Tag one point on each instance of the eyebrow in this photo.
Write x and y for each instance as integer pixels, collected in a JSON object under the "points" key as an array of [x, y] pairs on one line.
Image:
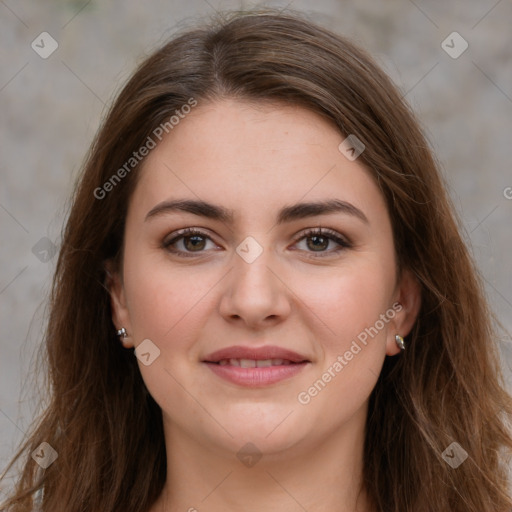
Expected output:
{"points": [[286, 214]]}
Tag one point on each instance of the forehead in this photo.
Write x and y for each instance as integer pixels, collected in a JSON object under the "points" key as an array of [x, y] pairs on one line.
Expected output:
{"points": [[254, 157]]}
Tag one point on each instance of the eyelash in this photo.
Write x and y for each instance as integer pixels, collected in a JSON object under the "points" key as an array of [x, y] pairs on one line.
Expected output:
{"points": [[323, 232]]}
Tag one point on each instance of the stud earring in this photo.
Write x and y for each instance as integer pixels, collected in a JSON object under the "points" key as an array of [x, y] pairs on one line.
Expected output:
{"points": [[122, 332], [400, 342]]}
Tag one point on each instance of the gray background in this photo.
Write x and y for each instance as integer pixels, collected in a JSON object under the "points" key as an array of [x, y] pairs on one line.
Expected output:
{"points": [[51, 108]]}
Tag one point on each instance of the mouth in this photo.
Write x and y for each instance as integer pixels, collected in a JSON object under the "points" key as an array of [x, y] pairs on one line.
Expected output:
{"points": [[255, 367], [255, 363]]}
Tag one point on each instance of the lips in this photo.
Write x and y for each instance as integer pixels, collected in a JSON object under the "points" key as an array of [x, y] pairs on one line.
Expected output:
{"points": [[240, 354], [255, 367]]}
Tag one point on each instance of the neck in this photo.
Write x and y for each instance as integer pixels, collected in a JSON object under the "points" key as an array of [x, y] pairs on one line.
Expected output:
{"points": [[325, 476]]}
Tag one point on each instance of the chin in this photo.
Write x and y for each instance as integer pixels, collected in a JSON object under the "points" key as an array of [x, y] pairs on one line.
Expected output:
{"points": [[271, 435]]}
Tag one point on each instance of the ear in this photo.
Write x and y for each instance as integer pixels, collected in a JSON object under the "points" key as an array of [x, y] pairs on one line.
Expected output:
{"points": [[408, 296], [120, 314]]}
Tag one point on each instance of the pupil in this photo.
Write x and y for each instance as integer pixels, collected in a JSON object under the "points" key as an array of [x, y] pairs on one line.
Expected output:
{"points": [[196, 241], [316, 237]]}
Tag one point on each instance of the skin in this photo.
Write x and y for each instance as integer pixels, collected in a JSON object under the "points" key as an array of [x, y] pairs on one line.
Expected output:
{"points": [[256, 160]]}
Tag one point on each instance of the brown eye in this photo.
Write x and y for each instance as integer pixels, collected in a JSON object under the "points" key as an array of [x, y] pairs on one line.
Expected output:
{"points": [[187, 241], [194, 242], [318, 240]]}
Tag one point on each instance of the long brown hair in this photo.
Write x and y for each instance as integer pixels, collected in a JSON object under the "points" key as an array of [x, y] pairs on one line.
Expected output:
{"points": [[445, 388]]}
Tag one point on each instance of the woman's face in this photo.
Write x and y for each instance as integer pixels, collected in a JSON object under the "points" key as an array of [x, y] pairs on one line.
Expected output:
{"points": [[253, 277]]}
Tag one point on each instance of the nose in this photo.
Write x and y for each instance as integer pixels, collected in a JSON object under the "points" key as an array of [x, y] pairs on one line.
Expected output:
{"points": [[255, 293]]}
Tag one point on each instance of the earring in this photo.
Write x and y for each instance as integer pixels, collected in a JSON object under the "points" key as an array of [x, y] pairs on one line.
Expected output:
{"points": [[400, 342], [122, 332]]}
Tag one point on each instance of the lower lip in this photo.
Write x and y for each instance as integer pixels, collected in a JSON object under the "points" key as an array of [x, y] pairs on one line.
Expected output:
{"points": [[256, 377]]}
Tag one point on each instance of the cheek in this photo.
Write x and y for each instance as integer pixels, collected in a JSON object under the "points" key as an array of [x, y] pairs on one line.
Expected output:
{"points": [[167, 305], [352, 339], [347, 301], [162, 298]]}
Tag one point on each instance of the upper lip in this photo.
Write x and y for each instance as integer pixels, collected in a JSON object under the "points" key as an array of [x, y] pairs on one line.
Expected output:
{"points": [[256, 353]]}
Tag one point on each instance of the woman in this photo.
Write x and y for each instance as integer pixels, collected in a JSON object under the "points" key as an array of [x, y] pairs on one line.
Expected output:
{"points": [[262, 299]]}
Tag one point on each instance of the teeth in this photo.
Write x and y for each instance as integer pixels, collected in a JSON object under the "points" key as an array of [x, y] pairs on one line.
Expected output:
{"points": [[252, 363]]}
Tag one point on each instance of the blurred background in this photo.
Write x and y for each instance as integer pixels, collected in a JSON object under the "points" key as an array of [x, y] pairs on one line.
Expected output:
{"points": [[63, 61]]}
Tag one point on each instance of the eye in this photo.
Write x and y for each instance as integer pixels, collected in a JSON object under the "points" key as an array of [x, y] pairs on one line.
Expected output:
{"points": [[192, 240], [318, 239]]}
